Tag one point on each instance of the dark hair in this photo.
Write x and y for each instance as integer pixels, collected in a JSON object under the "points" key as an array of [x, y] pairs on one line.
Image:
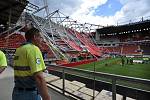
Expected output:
{"points": [[31, 33]]}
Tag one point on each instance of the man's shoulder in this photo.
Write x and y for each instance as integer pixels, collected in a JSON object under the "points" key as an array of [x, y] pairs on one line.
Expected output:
{"points": [[24, 48], [32, 47], [27, 46], [2, 53]]}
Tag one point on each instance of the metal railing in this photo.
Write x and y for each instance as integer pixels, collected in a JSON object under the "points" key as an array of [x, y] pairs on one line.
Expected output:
{"points": [[94, 75]]}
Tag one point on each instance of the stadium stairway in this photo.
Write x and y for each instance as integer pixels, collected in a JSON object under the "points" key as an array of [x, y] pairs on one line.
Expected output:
{"points": [[79, 89]]}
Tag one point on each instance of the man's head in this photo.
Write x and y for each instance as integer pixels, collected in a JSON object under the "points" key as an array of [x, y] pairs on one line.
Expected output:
{"points": [[30, 34], [33, 35]]}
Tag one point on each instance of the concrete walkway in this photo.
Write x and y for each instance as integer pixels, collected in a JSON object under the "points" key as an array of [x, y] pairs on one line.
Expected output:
{"points": [[7, 84]]}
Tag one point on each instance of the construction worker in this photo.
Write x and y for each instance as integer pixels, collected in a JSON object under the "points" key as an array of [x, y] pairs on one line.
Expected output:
{"points": [[3, 62], [28, 70], [122, 61]]}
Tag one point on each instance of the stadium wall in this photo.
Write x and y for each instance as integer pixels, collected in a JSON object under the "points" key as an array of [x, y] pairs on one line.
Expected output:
{"points": [[73, 64]]}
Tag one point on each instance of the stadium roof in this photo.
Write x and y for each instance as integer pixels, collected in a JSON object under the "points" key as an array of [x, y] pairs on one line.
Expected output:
{"points": [[128, 28], [13, 7]]}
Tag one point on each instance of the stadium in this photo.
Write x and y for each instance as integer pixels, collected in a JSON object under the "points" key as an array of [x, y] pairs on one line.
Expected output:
{"points": [[84, 61]]}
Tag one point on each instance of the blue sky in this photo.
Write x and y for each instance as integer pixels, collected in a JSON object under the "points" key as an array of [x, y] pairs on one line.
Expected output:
{"points": [[109, 8]]}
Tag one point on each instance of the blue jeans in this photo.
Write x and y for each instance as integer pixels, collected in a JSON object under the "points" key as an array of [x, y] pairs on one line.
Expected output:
{"points": [[25, 95]]}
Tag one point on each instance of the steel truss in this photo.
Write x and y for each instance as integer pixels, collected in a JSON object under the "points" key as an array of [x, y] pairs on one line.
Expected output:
{"points": [[55, 26]]}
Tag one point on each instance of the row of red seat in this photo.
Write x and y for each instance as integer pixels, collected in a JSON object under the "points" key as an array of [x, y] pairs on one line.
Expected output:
{"points": [[127, 49], [13, 41], [93, 49]]}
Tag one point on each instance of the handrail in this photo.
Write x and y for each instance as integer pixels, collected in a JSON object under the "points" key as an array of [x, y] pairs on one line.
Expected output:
{"points": [[67, 70], [101, 74]]}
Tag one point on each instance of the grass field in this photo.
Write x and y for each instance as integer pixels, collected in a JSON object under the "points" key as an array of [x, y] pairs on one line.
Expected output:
{"points": [[114, 66]]}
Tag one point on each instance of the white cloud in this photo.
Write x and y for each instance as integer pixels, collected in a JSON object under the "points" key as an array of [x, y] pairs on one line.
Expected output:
{"points": [[134, 9], [131, 10], [83, 10], [66, 6], [86, 10], [89, 5]]}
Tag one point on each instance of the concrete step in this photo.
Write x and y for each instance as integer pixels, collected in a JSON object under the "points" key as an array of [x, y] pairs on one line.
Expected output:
{"points": [[88, 91], [107, 95], [82, 95], [78, 83]]}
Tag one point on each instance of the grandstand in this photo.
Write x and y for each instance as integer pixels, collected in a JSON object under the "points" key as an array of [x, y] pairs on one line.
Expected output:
{"points": [[125, 39], [95, 55]]}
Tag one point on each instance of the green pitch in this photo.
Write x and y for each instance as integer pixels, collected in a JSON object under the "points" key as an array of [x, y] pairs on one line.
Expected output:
{"points": [[114, 66]]}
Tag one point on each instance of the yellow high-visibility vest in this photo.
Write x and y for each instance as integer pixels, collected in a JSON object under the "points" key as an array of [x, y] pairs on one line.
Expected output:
{"points": [[3, 61], [28, 60]]}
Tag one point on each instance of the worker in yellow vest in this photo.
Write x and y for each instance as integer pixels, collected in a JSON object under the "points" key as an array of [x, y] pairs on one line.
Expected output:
{"points": [[3, 62], [28, 70]]}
